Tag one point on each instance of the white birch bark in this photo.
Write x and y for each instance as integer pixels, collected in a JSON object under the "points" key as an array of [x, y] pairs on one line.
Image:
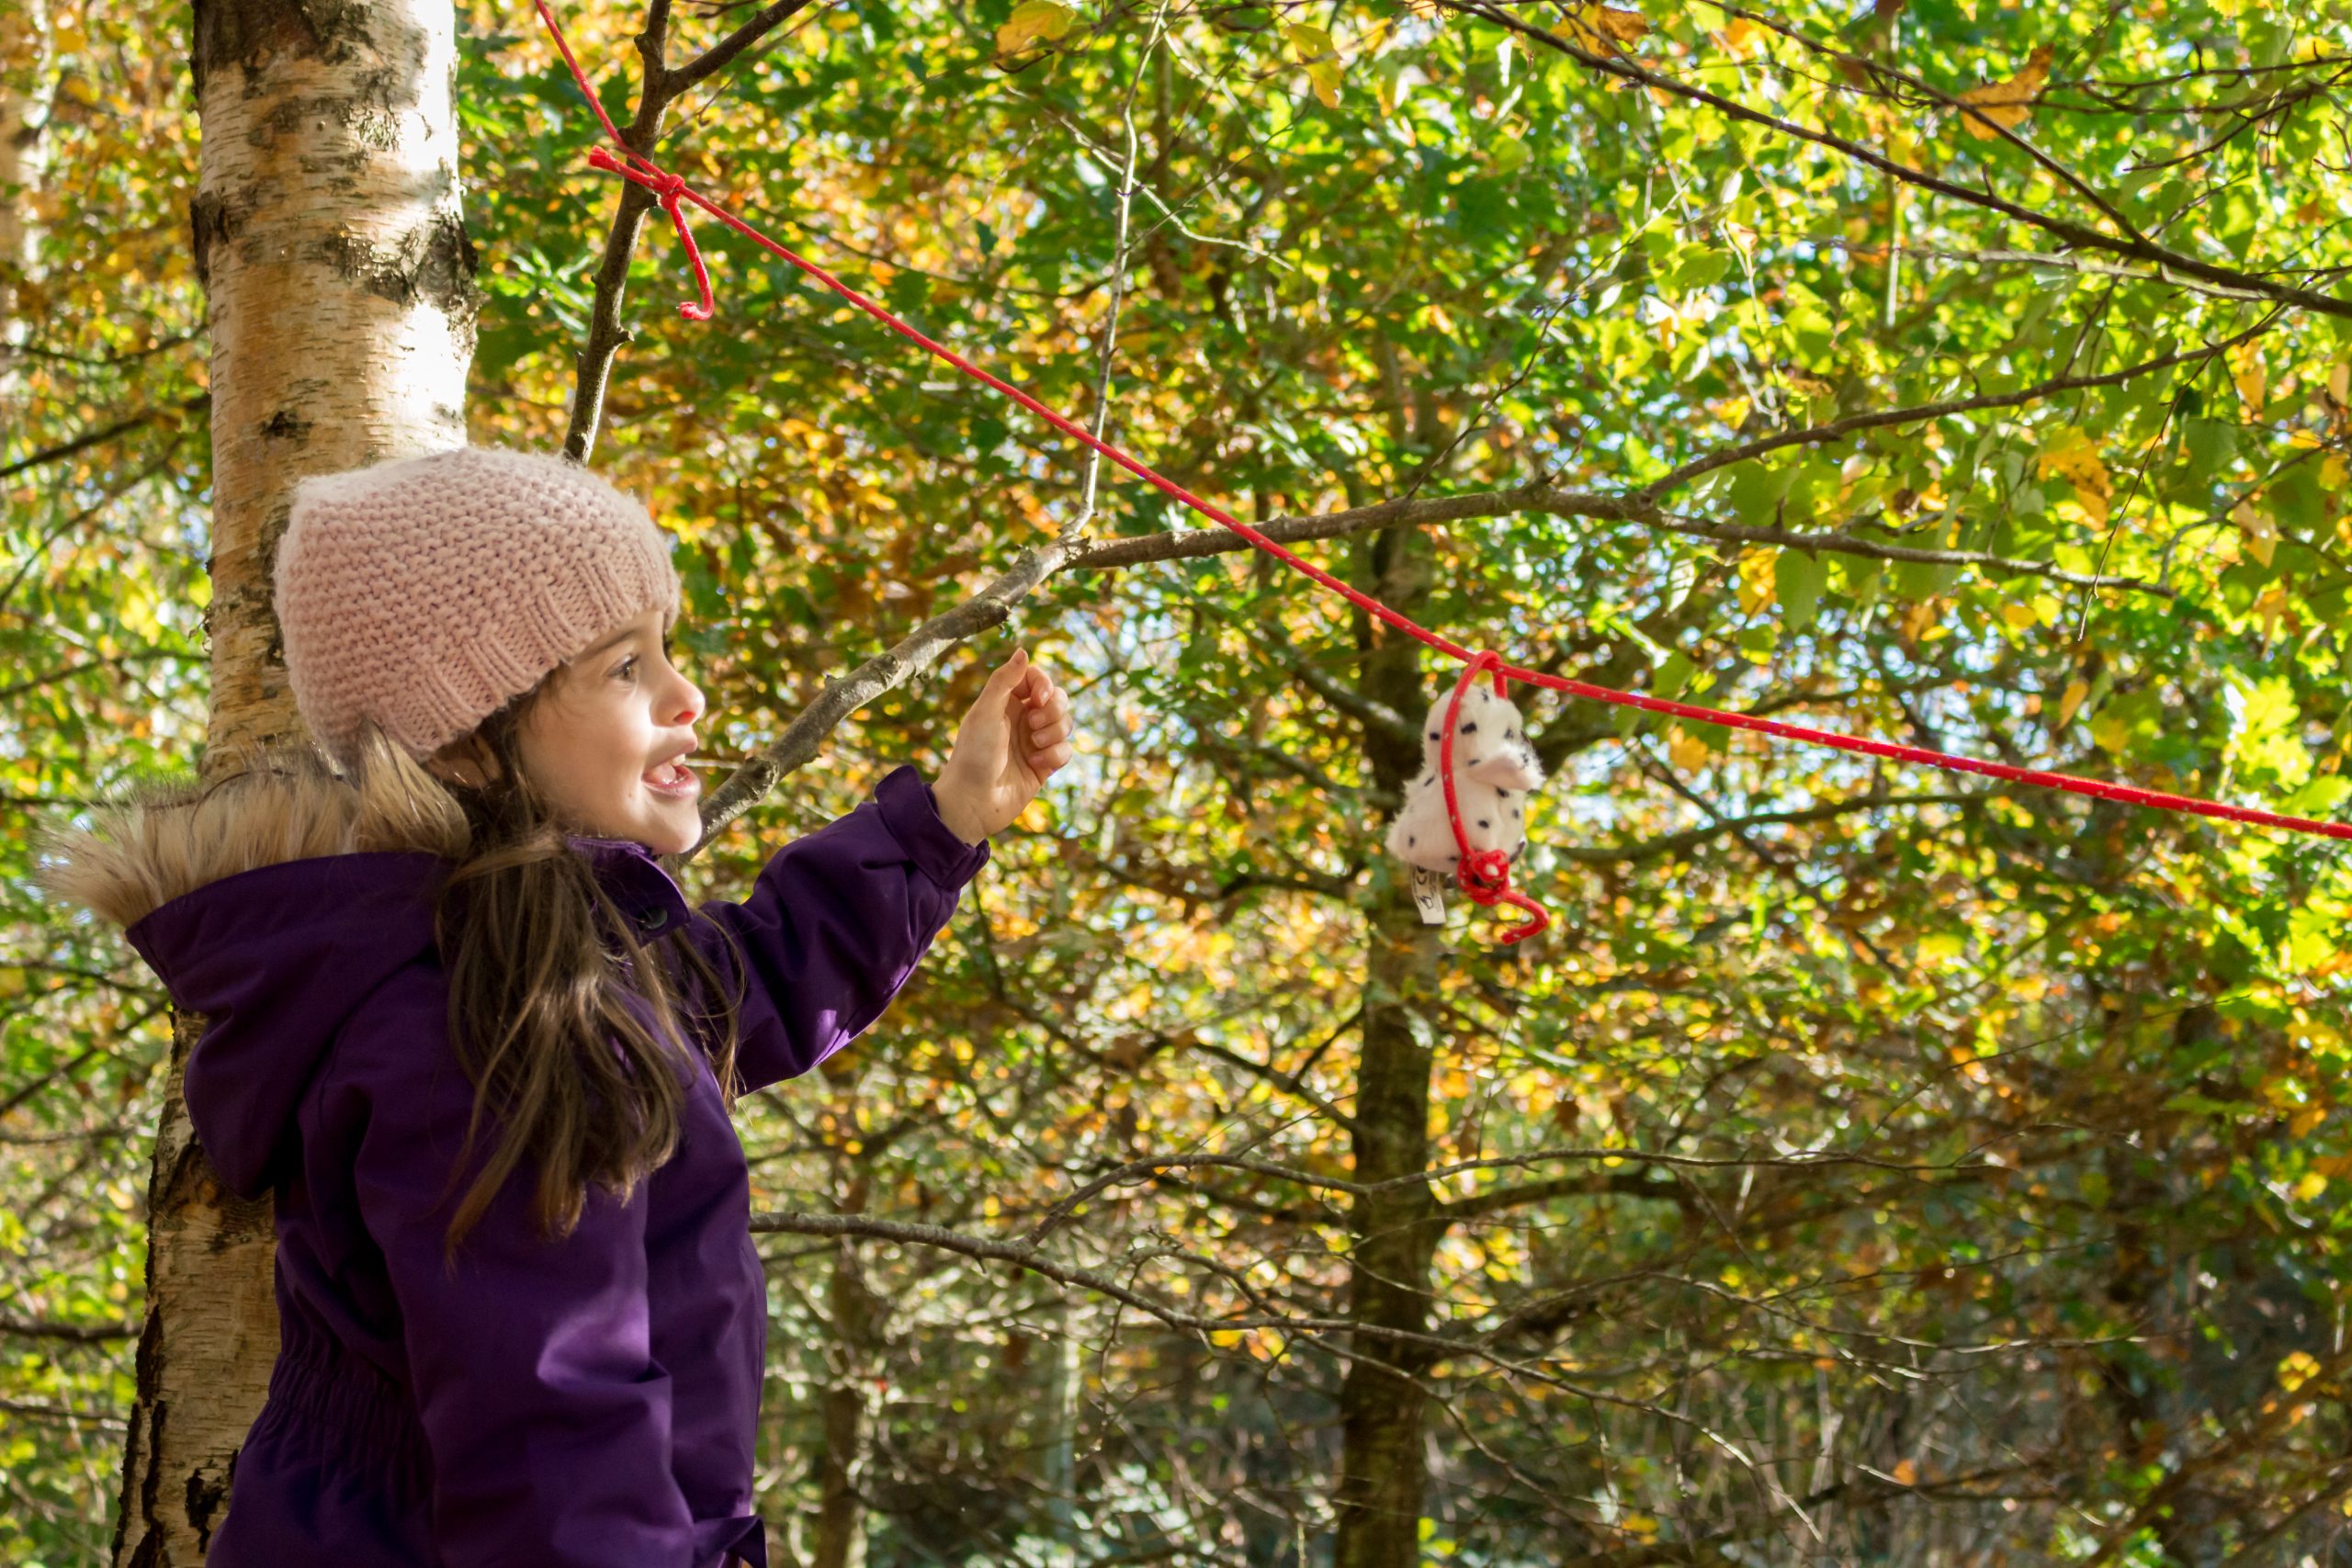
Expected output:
{"points": [[339, 297], [25, 87]]}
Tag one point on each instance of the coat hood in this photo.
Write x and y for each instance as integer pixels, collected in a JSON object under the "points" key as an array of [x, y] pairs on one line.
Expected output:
{"points": [[271, 903]]}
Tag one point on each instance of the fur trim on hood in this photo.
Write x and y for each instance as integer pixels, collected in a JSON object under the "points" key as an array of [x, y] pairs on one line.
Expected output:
{"points": [[162, 841]]}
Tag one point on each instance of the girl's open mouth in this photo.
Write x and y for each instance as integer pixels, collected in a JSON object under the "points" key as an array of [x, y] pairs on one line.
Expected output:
{"points": [[674, 779]]}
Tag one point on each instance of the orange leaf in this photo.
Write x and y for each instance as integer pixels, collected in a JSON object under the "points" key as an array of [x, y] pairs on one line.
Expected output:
{"points": [[2004, 103], [1608, 27]]}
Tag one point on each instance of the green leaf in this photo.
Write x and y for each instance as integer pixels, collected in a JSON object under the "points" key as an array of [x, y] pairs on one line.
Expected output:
{"points": [[2210, 443], [1697, 269], [1672, 676], [1798, 576], [1756, 492]]}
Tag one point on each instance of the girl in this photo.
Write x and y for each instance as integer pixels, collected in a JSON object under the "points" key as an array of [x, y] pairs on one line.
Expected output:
{"points": [[446, 988]]}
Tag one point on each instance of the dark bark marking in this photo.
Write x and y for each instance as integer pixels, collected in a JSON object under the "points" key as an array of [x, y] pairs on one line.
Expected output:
{"points": [[432, 263], [211, 221], [206, 1493]]}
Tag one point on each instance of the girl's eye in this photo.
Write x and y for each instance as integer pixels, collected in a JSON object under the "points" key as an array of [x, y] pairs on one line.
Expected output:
{"points": [[626, 669]]}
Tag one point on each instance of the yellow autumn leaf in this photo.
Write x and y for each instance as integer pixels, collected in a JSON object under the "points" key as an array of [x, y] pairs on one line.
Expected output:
{"points": [[2004, 103], [1606, 26], [1624, 27], [2261, 530], [1686, 752], [2070, 703], [1906, 1473], [2245, 370], [2074, 457], [2018, 616], [1321, 58], [2297, 1368], [1033, 21]]}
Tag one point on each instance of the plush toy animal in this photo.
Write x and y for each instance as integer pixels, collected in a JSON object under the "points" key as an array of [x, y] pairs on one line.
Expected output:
{"points": [[1495, 771]]}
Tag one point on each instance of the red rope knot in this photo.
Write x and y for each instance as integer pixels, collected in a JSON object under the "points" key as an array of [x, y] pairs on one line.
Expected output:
{"points": [[1485, 875], [669, 190]]}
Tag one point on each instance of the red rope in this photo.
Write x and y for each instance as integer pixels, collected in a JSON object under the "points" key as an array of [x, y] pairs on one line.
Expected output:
{"points": [[1484, 875], [671, 189]]}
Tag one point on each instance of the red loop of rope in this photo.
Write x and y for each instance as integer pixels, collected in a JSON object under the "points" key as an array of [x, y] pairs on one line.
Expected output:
{"points": [[648, 175], [1484, 875]]}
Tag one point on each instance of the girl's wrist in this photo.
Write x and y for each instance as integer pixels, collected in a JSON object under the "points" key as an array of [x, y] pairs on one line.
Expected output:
{"points": [[960, 819]]}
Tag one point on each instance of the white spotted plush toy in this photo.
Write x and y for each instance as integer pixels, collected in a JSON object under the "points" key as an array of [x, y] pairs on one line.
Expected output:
{"points": [[1495, 772]]}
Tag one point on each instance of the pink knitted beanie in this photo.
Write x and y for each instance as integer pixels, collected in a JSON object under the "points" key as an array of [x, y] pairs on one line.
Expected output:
{"points": [[426, 592]]}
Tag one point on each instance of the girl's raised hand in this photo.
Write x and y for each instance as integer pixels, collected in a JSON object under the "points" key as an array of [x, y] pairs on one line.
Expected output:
{"points": [[1015, 737]]}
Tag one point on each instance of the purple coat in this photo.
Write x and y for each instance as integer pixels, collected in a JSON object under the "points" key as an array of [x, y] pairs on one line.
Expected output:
{"points": [[584, 1404]]}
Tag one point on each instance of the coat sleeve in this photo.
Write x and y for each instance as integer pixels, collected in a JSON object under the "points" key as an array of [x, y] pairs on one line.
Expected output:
{"points": [[834, 925], [546, 1417]]}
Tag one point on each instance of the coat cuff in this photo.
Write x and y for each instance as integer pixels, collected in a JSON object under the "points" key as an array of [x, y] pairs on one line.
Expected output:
{"points": [[911, 813]]}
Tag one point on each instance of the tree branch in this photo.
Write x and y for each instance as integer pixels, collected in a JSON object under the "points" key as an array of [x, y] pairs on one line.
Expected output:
{"points": [[1675, 843], [2072, 233], [1838, 429], [79, 1333]]}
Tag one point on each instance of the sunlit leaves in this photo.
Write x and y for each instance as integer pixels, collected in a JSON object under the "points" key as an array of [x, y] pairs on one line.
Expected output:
{"points": [[1033, 21], [2004, 103]]}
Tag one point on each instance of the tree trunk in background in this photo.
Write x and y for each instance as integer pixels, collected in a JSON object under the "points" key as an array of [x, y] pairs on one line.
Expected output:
{"points": [[1394, 1230], [25, 84], [340, 299], [848, 1408]]}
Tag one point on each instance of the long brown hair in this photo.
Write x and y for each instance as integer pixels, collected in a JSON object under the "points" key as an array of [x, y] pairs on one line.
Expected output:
{"points": [[568, 1026]]}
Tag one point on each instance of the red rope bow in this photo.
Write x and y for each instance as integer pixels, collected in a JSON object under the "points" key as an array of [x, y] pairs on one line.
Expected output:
{"points": [[1476, 877], [1484, 875]]}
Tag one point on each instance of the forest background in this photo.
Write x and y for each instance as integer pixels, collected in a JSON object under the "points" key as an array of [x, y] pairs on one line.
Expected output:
{"points": [[1868, 1166]]}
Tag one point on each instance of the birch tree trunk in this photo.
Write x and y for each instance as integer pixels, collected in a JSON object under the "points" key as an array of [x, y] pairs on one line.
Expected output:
{"points": [[25, 86], [339, 294]]}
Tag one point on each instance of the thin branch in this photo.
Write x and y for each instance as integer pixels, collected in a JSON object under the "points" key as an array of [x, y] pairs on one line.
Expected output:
{"points": [[1883, 72], [1918, 414], [105, 433], [2064, 229], [1119, 247], [719, 56], [79, 1333], [1675, 843]]}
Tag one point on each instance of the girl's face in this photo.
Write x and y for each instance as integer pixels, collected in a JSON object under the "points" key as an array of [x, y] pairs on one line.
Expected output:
{"points": [[606, 742]]}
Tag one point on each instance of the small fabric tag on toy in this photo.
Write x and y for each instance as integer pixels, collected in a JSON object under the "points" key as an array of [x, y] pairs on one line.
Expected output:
{"points": [[1428, 895]]}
